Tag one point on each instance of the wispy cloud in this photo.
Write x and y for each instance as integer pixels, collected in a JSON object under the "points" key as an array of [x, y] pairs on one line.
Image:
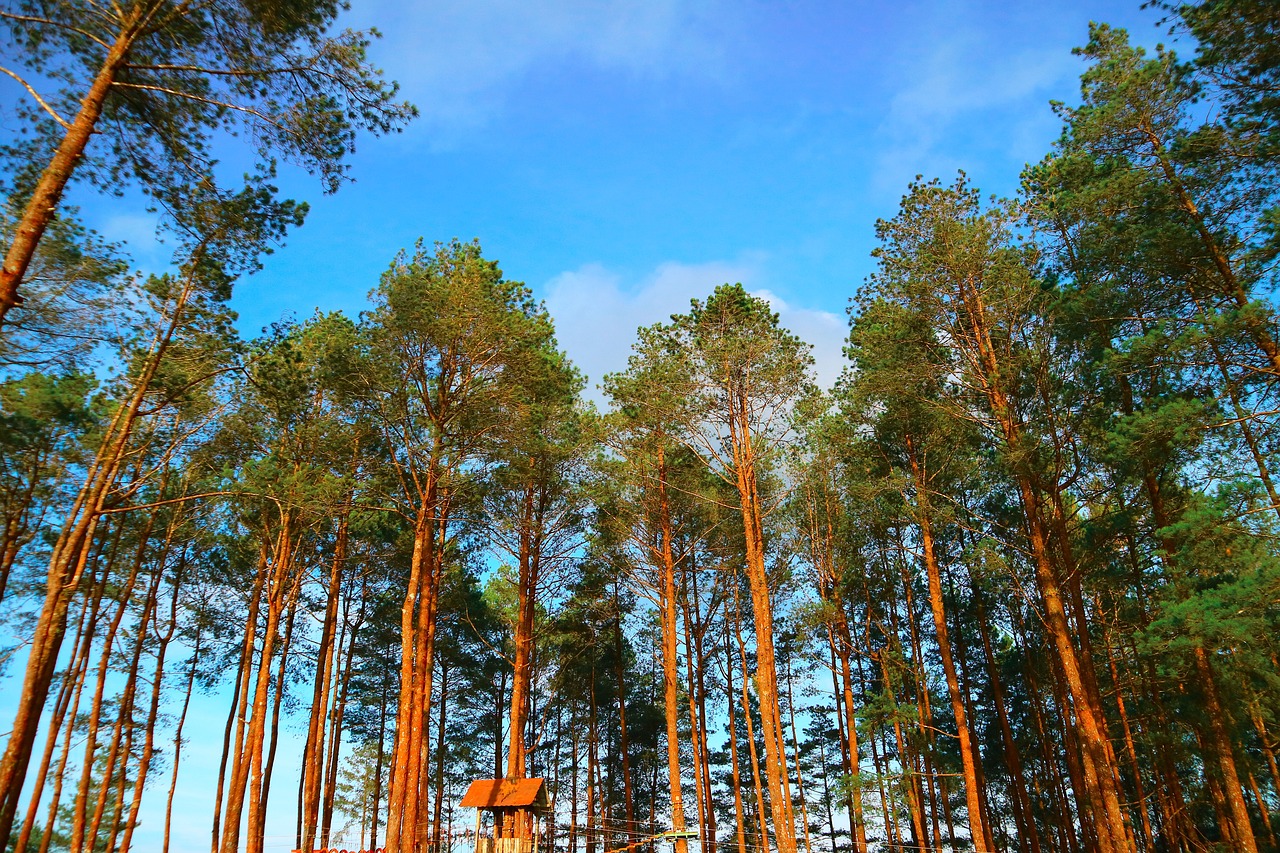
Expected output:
{"points": [[457, 59], [962, 93], [597, 312]]}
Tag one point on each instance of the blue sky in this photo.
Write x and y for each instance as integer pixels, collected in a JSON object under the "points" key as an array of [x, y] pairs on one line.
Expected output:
{"points": [[622, 157]]}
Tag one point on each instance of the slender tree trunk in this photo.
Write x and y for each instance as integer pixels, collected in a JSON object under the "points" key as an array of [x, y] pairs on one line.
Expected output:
{"points": [[1219, 721], [667, 602], [593, 775], [66, 706], [969, 758], [68, 561], [1265, 743], [116, 764], [314, 750], [709, 830], [88, 770], [795, 747], [522, 670], [763, 833], [744, 465], [906, 759], [845, 648], [44, 202], [262, 773], [177, 739], [731, 699], [823, 544], [624, 743], [342, 688], [695, 722], [440, 752], [240, 694], [377, 774], [1023, 816], [247, 764], [1131, 751], [153, 712], [1263, 810]]}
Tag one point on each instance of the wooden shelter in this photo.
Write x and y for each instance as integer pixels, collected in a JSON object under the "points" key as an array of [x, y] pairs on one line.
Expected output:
{"points": [[515, 805]]}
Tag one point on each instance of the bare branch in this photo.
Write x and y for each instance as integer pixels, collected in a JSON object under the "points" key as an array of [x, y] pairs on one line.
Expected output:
{"points": [[227, 72], [211, 101], [31, 19], [59, 119]]}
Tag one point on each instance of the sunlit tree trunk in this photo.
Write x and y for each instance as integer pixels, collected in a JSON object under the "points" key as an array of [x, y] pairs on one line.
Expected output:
{"points": [[968, 747], [47, 196], [313, 754], [731, 699], [69, 558], [667, 604]]}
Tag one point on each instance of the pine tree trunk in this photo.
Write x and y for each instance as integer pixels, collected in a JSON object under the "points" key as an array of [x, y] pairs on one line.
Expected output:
{"points": [[744, 465], [66, 705], [177, 739], [418, 625], [262, 774], [1131, 751], [840, 638], [1219, 720], [695, 722], [667, 603], [762, 830], [969, 758], [247, 763], [153, 712], [1023, 816], [795, 747], [88, 770], [522, 672], [440, 753], [240, 694], [313, 753], [68, 562], [44, 201], [343, 673], [624, 743], [731, 699]]}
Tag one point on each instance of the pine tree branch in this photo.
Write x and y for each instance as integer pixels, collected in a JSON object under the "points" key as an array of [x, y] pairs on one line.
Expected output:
{"points": [[32, 19], [192, 97], [41, 101]]}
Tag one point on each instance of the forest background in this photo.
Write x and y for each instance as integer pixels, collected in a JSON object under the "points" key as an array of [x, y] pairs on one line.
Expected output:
{"points": [[1057, 436]]}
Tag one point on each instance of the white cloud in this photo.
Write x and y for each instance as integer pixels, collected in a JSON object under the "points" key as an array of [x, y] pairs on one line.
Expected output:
{"points": [[597, 312], [963, 78], [825, 331], [136, 230], [454, 59]]}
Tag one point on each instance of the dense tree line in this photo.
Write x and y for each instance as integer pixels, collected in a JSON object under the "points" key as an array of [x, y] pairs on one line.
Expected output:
{"points": [[1011, 585]]}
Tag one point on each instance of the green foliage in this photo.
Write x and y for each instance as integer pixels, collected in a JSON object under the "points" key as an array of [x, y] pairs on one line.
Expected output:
{"points": [[274, 71], [72, 289]]}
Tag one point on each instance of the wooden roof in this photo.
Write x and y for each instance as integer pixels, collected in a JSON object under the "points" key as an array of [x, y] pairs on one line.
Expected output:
{"points": [[506, 794]]}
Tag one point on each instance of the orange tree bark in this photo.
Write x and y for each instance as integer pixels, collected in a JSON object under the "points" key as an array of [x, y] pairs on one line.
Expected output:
{"points": [[667, 604], [784, 830], [968, 747], [68, 562], [45, 199]]}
